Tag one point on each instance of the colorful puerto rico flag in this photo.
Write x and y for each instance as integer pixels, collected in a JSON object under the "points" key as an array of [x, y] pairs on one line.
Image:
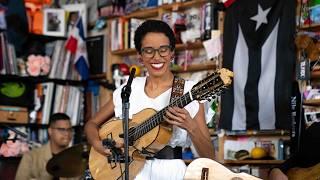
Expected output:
{"points": [[76, 45], [259, 49]]}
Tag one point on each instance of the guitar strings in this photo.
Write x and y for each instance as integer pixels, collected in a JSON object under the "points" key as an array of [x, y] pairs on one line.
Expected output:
{"points": [[140, 128], [148, 123]]}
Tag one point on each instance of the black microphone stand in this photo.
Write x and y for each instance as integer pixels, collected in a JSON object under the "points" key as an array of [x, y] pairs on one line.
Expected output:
{"points": [[125, 95]]}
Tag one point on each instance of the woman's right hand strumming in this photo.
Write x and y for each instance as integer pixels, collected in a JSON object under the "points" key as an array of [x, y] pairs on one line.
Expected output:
{"points": [[97, 145]]}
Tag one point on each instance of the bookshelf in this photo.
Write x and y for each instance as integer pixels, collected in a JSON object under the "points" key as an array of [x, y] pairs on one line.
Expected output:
{"points": [[194, 68], [45, 91], [315, 74], [42, 79], [115, 56], [312, 102], [262, 166], [310, 27], [152, 12], [179, 47]]}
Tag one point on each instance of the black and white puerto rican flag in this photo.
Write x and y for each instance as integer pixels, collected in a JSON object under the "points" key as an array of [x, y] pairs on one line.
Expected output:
{"points": [[259, 47]]}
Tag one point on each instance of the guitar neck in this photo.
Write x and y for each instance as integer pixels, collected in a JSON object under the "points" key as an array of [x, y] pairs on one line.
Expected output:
{"points": [[156, 119]]}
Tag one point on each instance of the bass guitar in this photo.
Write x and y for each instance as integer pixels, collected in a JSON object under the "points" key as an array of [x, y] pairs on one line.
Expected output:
{"points": [[147, 132], [208, 169]]}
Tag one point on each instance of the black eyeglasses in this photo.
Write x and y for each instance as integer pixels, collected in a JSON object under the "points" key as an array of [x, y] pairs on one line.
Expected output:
{"points": [[149, 52], [62, 130]]}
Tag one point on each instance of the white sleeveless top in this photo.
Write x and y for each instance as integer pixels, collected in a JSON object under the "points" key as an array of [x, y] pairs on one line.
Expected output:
{"points": [[154, 169]]}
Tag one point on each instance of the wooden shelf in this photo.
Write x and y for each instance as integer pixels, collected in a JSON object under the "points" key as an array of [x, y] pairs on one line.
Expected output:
{"points": [[45, 38], [311, 27], [124, 52], [189, 46], [275, 132], [195, 67], [41, 79], [252, 162], [179, 47], [30, 125], [315, 74], [183, 5], [312, 102], [145, 13], [154, 11]]}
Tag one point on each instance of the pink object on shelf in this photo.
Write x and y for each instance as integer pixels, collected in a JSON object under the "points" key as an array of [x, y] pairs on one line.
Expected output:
{"points": [[38, 65]]}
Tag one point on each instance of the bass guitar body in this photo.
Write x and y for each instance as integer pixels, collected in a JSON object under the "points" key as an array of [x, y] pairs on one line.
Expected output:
{"points": [[103, 168], [208, 169]]}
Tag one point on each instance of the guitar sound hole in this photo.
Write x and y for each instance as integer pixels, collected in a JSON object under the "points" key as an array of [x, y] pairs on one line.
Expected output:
{"points": [[236, 178]]}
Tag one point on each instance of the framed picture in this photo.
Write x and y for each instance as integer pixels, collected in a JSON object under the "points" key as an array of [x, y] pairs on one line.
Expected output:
{"points": [[73, 12], [54, 22]]}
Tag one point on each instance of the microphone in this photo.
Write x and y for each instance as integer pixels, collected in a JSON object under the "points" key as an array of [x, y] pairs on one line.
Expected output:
{"points": [[131, 76], [126, 90], [24, 135]]}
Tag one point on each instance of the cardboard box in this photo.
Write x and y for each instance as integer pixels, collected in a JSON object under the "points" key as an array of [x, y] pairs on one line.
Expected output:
{"points": [[13, 114]]}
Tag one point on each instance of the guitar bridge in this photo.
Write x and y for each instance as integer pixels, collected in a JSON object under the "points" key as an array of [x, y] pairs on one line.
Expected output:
{"points": [[113, 160], [116, 153], [146, 154]]}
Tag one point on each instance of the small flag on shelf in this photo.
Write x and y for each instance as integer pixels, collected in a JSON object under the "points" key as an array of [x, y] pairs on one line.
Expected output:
{"points": [[76, 45]]}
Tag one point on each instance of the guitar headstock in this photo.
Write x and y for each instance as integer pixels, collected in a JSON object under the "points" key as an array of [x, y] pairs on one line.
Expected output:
{"points": [[212, 85]]}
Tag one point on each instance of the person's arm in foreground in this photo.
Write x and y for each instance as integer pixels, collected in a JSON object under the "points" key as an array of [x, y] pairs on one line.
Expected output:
{"points": [[93, 125]]}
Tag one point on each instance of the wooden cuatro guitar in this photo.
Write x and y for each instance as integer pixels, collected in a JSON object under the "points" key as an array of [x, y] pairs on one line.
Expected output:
{"points": [[147, 132], [208, 169]]}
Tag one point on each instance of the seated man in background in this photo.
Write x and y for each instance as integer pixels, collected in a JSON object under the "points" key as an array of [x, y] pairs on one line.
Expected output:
{"points": [[307, 157], [33, 163]]}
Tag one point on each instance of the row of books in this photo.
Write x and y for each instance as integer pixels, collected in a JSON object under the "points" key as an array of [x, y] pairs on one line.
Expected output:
{"points": [[132, 6], [51, 98], [110, 8], [62, 62], [122, 32], [190, 25], [8, 60], [92, 104]]}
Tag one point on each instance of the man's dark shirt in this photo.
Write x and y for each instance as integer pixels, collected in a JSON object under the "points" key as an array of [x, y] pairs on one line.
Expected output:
{"points": [[309, 154]]}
